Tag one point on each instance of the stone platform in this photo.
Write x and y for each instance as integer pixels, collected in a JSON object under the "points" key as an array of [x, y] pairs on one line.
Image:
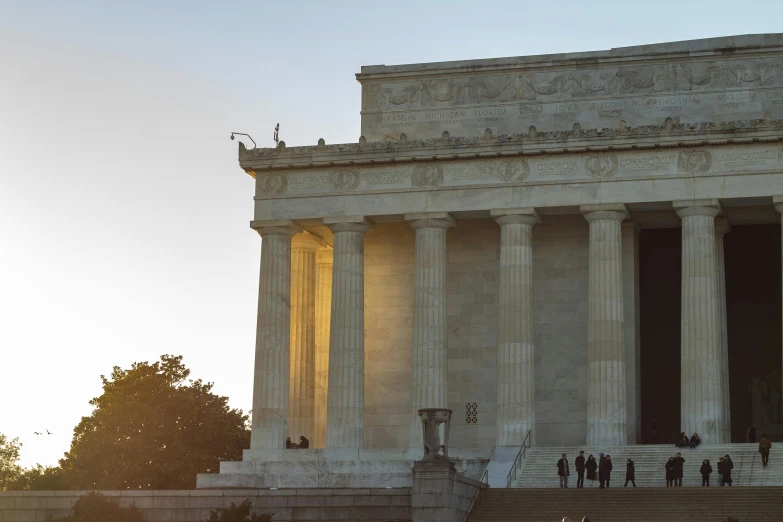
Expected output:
{"points": [[332, 468]]}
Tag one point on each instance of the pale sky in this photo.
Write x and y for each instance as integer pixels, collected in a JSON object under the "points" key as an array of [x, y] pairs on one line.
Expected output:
{"points": [[123, 214]]}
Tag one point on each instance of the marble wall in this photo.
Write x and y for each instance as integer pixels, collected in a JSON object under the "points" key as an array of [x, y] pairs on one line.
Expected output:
{"points": [[560, 253]]}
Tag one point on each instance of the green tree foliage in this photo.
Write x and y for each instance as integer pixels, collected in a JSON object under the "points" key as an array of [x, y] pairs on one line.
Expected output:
{"points": [[153, 429], [9, 455], [41, 478], [94, 507], [240, 513]]}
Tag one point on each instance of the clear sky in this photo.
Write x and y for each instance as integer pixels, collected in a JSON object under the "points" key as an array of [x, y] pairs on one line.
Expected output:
{"points": [[123, 214]]}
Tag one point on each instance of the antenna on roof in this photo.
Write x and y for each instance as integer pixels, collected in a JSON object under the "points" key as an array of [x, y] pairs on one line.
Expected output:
{"points": [[248, 135]]}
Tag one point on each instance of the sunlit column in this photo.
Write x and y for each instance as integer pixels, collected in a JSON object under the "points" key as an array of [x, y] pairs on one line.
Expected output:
{"points": [[270, 378], [323, 311], [516, 406], [345, 415], [302, 372], [606, 398], [429, 317], [700, 340]]}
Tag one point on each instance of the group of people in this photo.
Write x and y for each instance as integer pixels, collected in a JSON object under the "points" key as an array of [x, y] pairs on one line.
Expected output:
{"points": [[304, 443], [684, 442], [602, 469]]}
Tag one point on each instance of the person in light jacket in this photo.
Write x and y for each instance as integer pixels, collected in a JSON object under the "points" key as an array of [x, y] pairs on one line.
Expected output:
{"points": [[764, 446]]}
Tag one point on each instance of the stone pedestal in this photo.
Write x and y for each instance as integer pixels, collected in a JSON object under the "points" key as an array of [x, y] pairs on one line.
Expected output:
{"points": [[270, 385], [302, 373], [429, 317], [345, 416], [606, 398], [701, 395], [721, 228], [516, 406], [323, 312]]}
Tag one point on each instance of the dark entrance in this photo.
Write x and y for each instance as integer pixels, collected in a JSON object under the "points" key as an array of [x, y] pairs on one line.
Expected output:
{"points": [[753, 309]]}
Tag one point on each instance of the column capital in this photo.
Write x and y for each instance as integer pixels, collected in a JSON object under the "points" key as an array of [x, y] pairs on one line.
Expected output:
{"points": [[614, 211], [778, 202], [349, 224], [722, 226], [305, 241], [430, 220], [525, 215], [275, 227], [697, 207]]}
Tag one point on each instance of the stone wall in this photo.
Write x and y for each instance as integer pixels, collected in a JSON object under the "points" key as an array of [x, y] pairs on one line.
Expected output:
{"points": [[560, 262], [370, 505]]}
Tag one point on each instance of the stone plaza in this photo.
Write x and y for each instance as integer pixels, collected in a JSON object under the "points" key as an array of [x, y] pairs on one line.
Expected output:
{"points": [[478, 249]]}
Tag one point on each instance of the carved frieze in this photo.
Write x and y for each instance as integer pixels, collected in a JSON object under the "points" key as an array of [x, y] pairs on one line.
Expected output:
{"points": [[344, 180], [694, 161], [513, 170], [273, 183], [602, 165], [427, 175]]}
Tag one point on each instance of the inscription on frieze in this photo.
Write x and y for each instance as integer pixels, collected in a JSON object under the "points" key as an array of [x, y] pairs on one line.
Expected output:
{"points": [[554, 99]]}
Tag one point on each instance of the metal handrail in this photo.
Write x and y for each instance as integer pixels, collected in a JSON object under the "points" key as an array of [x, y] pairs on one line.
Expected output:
{"points": [[477, 494], [518, 459]]}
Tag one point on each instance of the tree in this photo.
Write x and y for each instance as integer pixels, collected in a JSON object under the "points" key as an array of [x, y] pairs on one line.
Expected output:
{"points": [[41, 478], [94, 507], [9, 455], [240, 513], [150, 429]]}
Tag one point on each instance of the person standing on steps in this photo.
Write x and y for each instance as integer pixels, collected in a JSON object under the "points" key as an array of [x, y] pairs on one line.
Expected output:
{"points": [[670, 472], [601, 470], [678, 466], [630, 474], [562, 471], [608, 469], [764, 446], [705, 471], [721, 469], [728, 465], [591, 466], [580, 470], [656, 428]]}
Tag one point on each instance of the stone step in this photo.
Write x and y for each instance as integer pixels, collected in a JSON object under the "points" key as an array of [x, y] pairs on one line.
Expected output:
{"points": [[632, 505]]}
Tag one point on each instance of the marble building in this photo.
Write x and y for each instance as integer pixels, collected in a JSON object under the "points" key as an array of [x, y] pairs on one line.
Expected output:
{"points": [[478, 249]]}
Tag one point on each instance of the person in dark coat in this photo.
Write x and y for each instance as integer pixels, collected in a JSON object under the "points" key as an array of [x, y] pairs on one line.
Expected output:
{"points": [[728, 465], [682, 441], [591, 466], [562, 471], [608, 469], [304, 442], [750, 434], [705, 471], [630, 474], [656, 428], [670, 472], [764, 446], [678, 465], [580, 470], [721, 467], [604, 470], [289, 444], [695, 440]]}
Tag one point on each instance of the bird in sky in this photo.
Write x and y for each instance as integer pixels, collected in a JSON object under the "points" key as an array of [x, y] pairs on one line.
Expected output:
{"points": [[36, 433], [49, 433]]}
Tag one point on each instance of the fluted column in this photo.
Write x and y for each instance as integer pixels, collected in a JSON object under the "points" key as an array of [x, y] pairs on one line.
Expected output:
{"points": [[721, 228], [323, 311], [345, 401], [270, 378], [700, 343], [516, 403], [302, 373], [778, 201], [429, 317], [606, 393]]}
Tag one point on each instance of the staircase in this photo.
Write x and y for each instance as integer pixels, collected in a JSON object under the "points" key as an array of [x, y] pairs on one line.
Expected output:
{"points": [[631, 505], [539, 468]]}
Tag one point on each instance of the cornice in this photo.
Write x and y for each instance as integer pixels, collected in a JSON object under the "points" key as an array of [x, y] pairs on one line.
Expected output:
{"points": [[533, 142]]}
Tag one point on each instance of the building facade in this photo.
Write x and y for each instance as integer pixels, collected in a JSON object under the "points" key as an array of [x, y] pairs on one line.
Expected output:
{"points": [[478, 247]]}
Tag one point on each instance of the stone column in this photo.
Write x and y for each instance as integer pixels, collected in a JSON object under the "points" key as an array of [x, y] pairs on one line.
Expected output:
{"points": [[700, 344], [302, 373], [429, 317], [345, 401], [516, 406], [606, 397], [778, 201], [270, 377], [633, 369], [323, 311], [721, 228]]}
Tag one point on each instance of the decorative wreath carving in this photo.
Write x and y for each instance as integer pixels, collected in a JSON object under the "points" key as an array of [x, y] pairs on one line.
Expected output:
{"points": [[274, 183], [430, 175], [344, 179], [602, 165], [513, 170], [695, 161]]}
